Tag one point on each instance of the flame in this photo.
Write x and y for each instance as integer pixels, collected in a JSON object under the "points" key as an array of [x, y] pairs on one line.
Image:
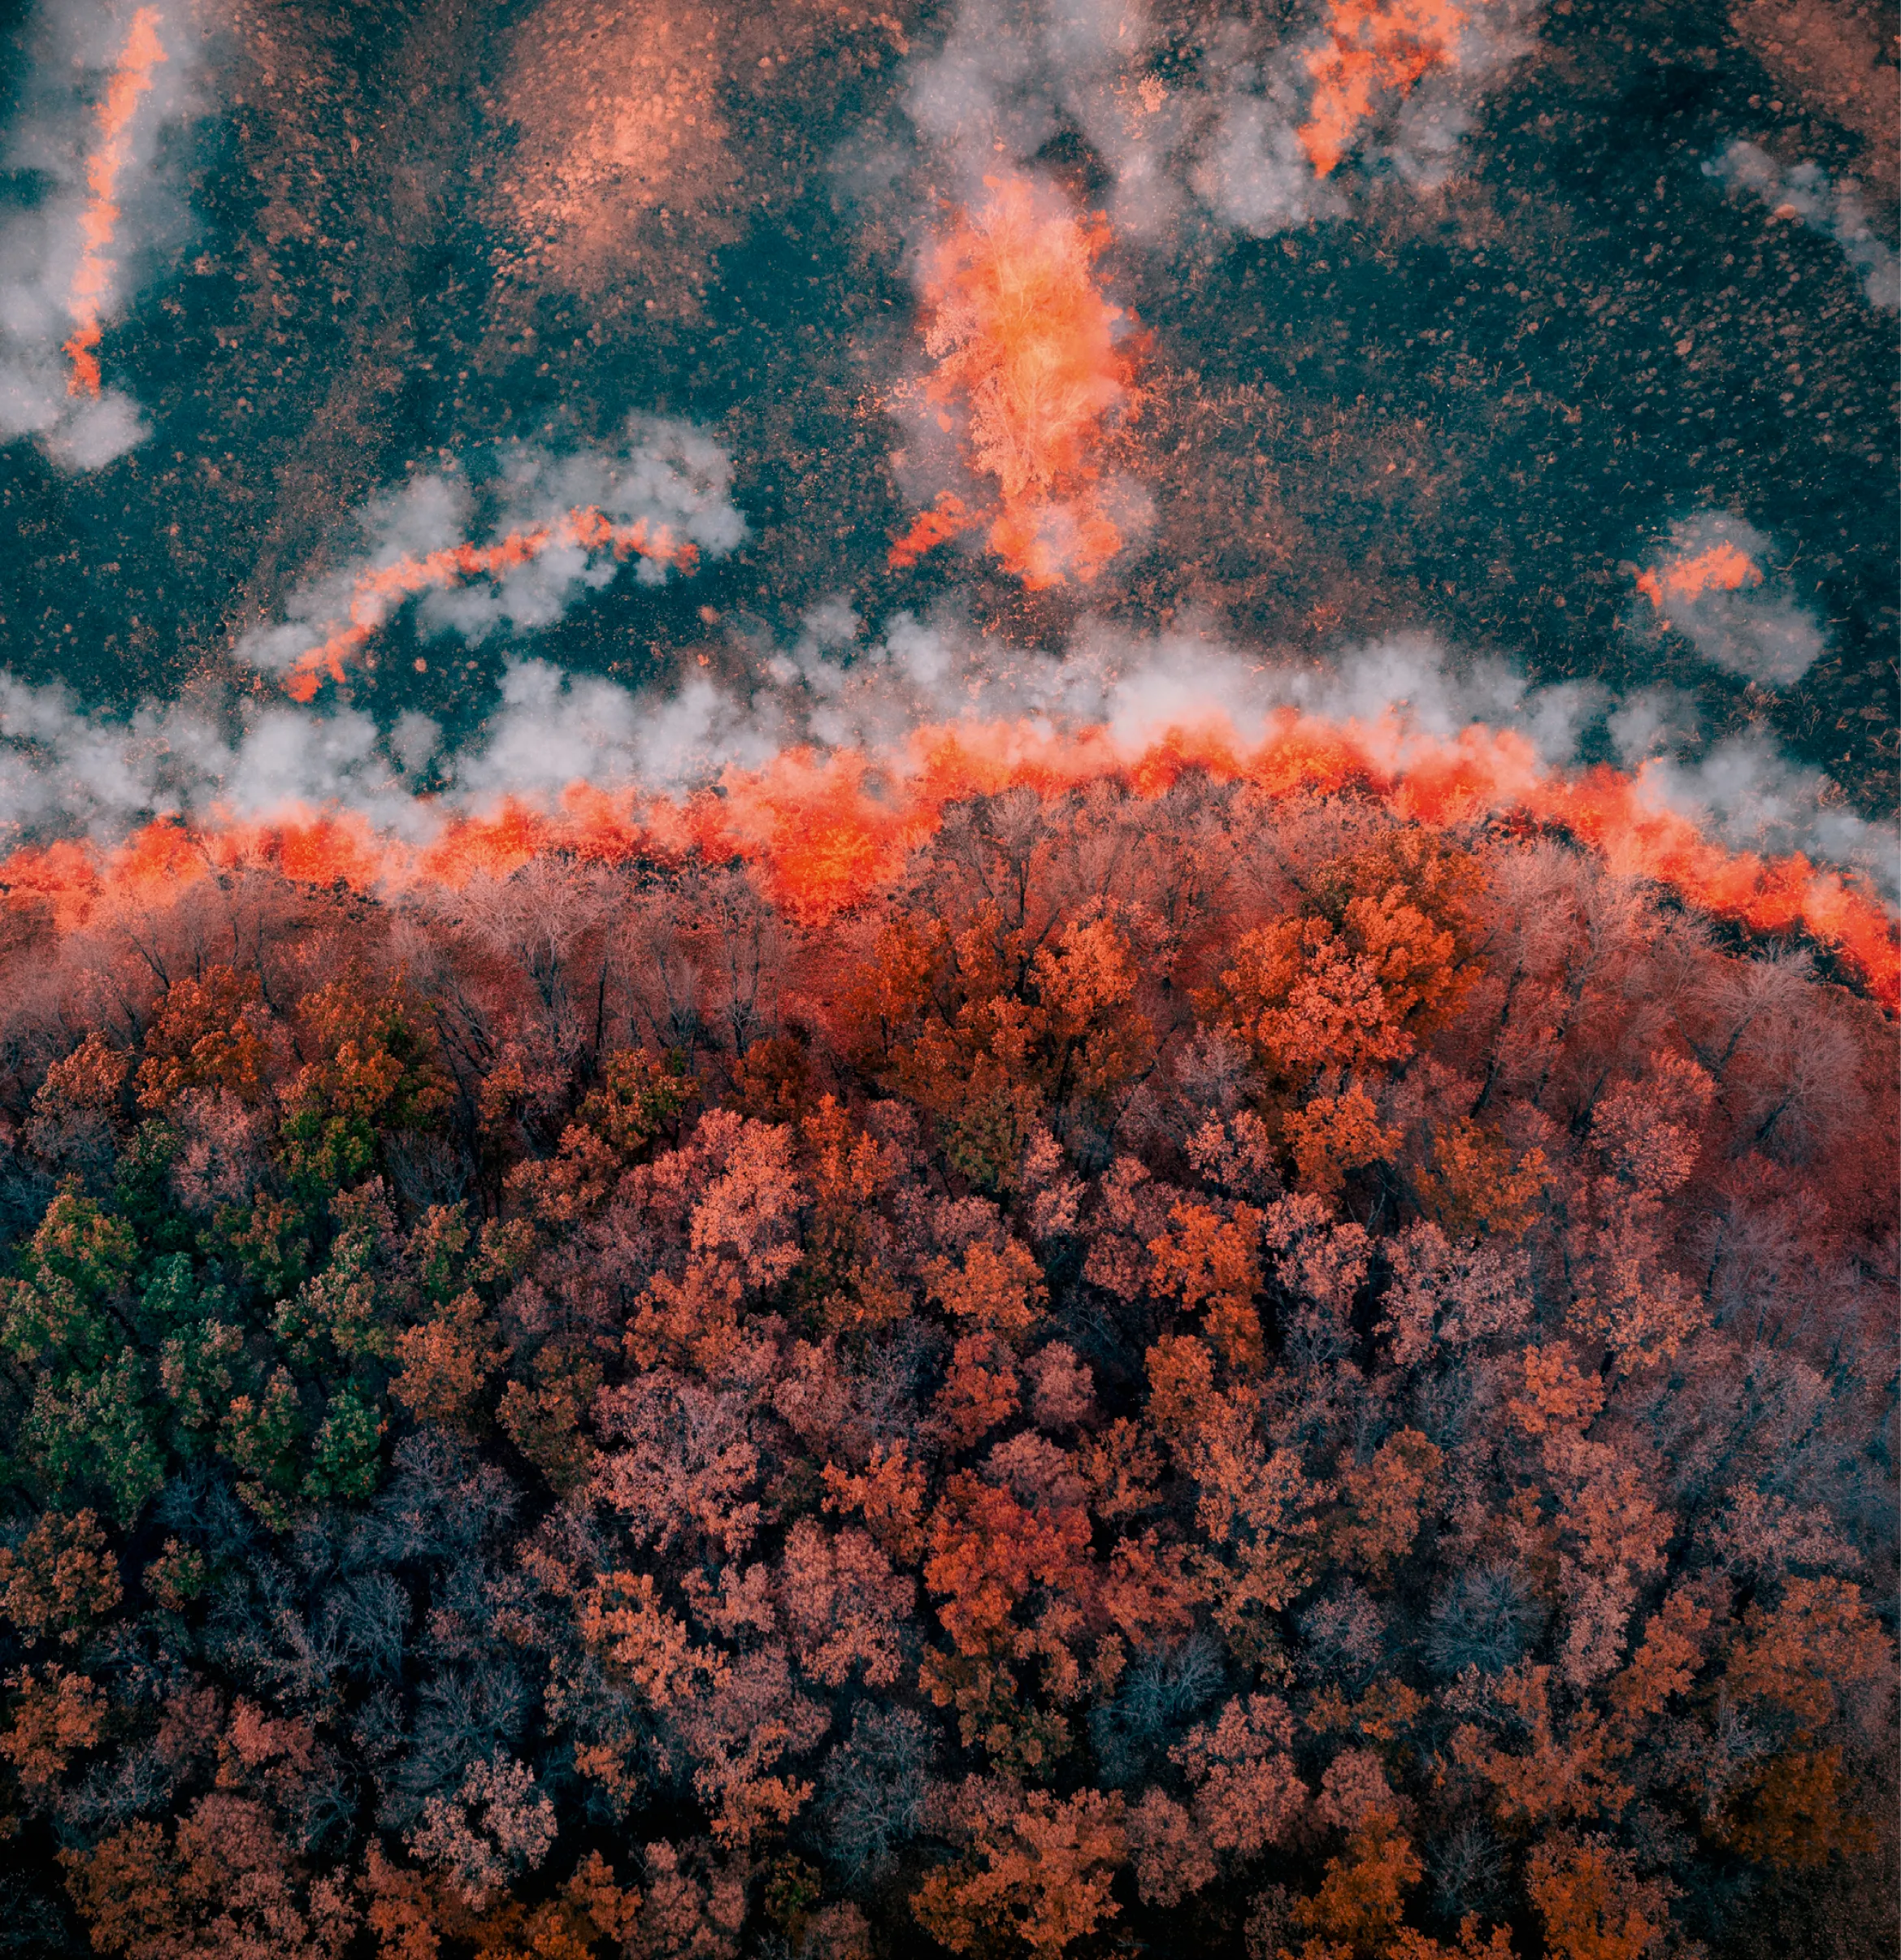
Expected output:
{"points": [[1722, 568], [828, 833], [945, 519], [377, 592], [91, 278], [1370, 47], [1029, 364]]}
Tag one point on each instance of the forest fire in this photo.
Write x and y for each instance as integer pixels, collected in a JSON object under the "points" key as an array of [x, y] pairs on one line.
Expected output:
{"points": [[1029, 371], [92, 278], [827, 833], [380, 592], [1371, 50], [1145, 1204], [1721, 568]]}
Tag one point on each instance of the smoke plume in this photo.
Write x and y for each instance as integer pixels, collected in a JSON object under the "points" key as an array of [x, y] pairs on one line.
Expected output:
{"points": [[1709, 584], [557, 525], [1836, 211], [106, 87], [1248, 127]]}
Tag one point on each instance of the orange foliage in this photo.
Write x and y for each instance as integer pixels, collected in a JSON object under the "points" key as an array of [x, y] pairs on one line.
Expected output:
{"points": [[1664, 1666], [1371, 48], [446, 1361], [56, 1716], [844, 1270], [378, 592], [205, 1037], [1476, 1184], [225, 1882], [889, 1496], [1212, 1265], [1037, 1872], [413, 1913], [1819, 1647], [1562, 1395], [622, 1620], [1795, 1814], [1593, 1904], [845, 1604], [1564, 1769], [990, 1553], [60, 1577], [1027, 359], [834, 1402], [1000, 1293], [1331, 1136], [1357, 1910], [89, 1078], [91, 278], [1353, 984], [1242, 1771], [1388, 1499]]}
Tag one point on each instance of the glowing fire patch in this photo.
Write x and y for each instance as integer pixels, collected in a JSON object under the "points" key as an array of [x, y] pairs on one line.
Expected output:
{"points": [[1722, 568], [379, 592], [829, 832], [1029, 370], [1371, 50]]}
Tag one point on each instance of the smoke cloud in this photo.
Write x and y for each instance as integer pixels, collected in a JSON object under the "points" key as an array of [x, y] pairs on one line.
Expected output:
{"points": [[1249, 131], [1709, 583], [1835, 210], [839, 688], [557, 526], [96, 133], [1747, 793]]}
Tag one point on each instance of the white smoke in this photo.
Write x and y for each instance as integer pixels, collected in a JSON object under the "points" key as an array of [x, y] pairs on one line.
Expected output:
{"points": [[72, 49], [1249, 168], [1214, 128], [667, 472], [1752, 797], [838, 687], [1653, 722], [64, 771], [1757, 630], [1836, 211]]}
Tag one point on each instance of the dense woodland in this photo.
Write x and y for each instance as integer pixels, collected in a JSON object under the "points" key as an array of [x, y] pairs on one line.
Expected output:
{"points": [[1209, 1376]]}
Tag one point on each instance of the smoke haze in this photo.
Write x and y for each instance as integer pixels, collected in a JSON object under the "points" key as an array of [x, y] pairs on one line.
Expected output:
{"points": [[807, 382], [97, 133]]}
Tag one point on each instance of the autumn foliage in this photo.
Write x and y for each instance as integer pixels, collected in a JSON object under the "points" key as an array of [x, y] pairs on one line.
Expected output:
{"points": [[1221, 1371]]}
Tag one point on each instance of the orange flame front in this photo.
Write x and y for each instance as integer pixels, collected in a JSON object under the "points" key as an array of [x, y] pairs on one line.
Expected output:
{"points": [[390, 584], [1722, 568], [92, 278], [1371, 48], [827, 833], [1027, 356]]}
